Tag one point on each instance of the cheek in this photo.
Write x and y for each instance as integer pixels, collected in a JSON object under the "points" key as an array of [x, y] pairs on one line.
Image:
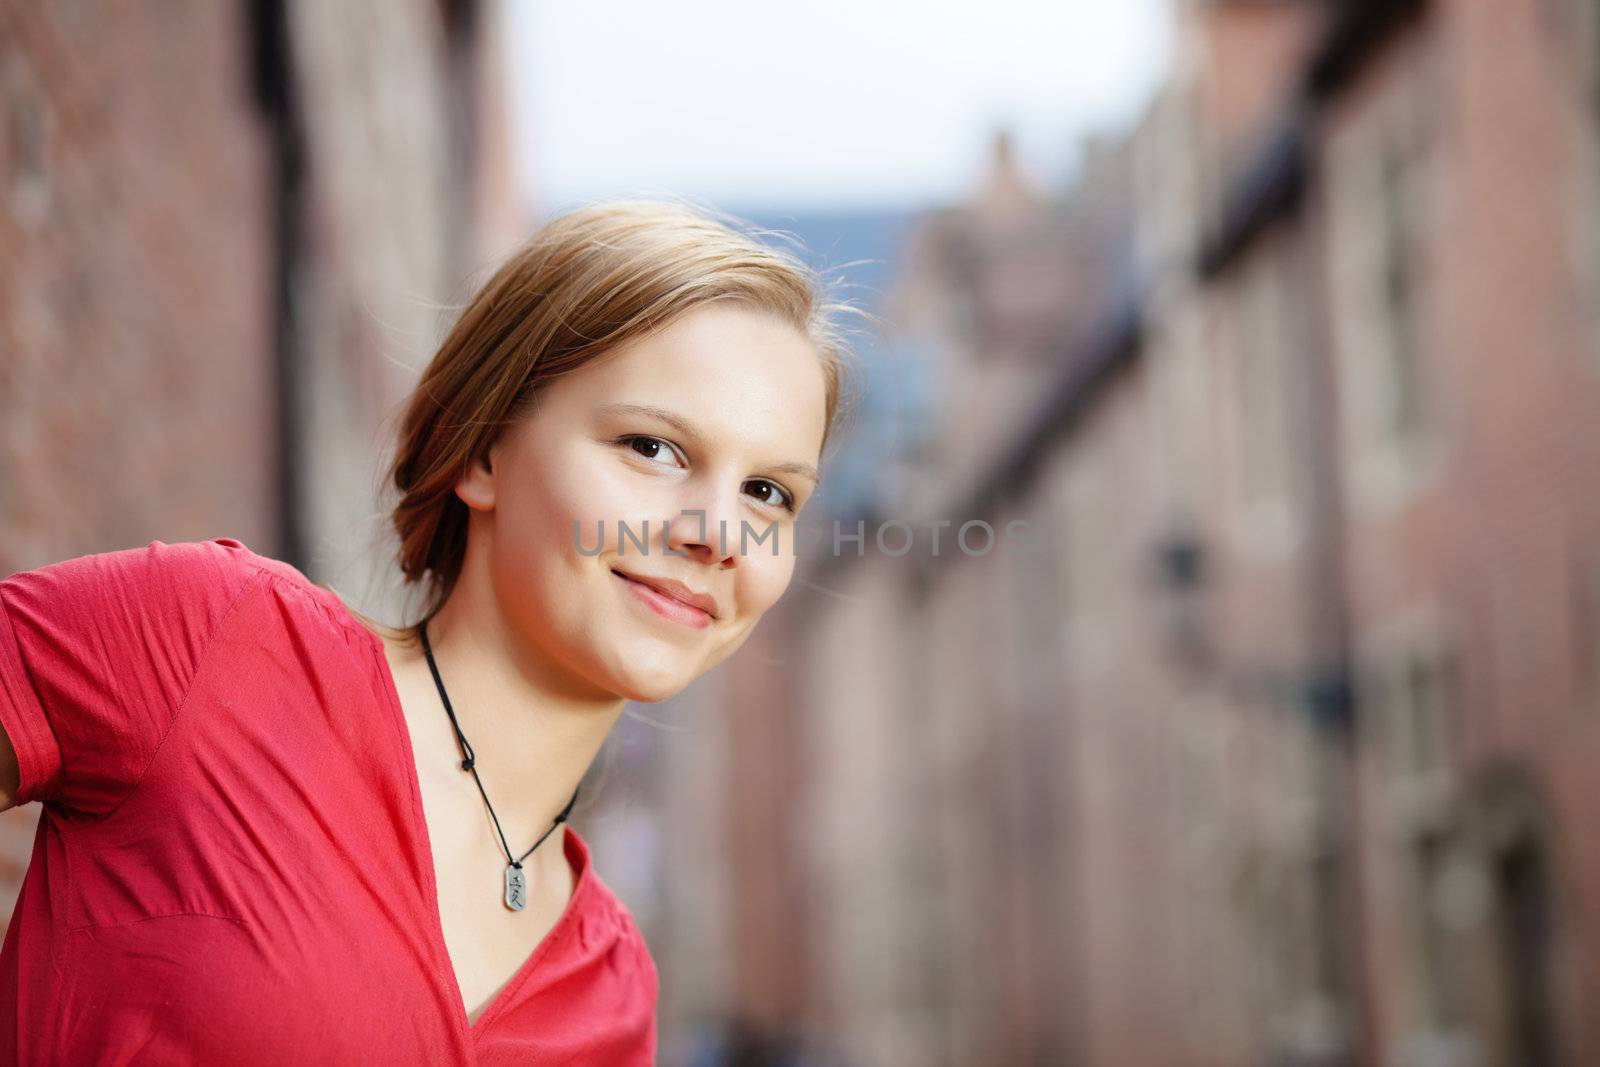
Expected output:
{"points": [[538, 533], [559, 504], [764, 581]]}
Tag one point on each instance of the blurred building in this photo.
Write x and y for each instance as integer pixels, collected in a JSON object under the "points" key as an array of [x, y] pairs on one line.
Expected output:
{"points": [[230, 235], [1266, 737], [1244, 712]]}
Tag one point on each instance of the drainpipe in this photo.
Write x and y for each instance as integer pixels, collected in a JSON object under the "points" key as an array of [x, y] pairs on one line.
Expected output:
{"points": [[270, 49]]}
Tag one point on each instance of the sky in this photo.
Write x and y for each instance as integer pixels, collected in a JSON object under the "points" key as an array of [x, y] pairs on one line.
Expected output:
{"points": [[815, 107]]}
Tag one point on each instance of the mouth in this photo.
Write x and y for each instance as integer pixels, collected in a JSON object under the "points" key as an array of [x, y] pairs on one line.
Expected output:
{"points": [[669, 602]]}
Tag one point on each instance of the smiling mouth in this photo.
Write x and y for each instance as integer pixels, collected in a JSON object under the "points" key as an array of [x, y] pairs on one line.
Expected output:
{"points": [[667, 606]]}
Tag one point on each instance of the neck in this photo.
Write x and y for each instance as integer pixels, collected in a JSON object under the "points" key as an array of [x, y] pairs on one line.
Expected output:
{"points": [[534, 729]]}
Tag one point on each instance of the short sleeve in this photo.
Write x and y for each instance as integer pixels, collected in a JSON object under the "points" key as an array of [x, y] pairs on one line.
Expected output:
{"points": [[96, 656]]}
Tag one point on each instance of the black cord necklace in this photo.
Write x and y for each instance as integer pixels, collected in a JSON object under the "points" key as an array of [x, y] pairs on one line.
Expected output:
{"points": [[516, 886]]}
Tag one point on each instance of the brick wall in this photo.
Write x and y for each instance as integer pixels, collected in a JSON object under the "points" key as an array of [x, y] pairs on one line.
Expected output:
{"points": [[197, 340], [1039, 827]]}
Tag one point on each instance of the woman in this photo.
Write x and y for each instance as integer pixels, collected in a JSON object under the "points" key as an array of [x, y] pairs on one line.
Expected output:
{"points": [[275, 831]]}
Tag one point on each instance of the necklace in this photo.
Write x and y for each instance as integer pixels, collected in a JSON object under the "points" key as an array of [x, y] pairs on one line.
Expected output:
{"points": [[516, 896]]}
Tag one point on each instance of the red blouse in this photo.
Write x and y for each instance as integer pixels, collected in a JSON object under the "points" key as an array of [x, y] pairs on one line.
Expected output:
{"points": [[232, 863]]}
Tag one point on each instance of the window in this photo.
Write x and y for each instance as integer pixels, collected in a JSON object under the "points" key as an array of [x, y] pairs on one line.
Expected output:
{"points": [[1412, 696], [1584, 579], [1263, 382], [1438, 871], [1573, 42], [1588, 229], [1263, 350], [1086, 524], [1422, 707], [1380, 200], [1592, 631], [1402, 394]]}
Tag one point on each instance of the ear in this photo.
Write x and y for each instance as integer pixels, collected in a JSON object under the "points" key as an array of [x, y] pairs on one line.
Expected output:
{"points": [[476, 487]]}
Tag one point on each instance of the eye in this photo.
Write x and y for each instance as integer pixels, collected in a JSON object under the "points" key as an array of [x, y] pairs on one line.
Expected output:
{"points": [[646, 446], [651, 448], [785, 498]]}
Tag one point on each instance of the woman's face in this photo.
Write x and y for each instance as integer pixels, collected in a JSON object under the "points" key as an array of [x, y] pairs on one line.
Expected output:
{"points": [[721, 412]]}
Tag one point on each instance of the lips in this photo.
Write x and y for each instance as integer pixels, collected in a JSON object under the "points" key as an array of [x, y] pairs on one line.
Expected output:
{"points": [[675, 589]]}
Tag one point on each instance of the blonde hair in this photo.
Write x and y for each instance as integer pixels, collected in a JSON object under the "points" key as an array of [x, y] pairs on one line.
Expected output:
{"points": [[588, 281]]}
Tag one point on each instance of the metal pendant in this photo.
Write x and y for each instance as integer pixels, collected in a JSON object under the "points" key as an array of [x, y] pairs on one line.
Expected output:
{"points": [[516, 888]]}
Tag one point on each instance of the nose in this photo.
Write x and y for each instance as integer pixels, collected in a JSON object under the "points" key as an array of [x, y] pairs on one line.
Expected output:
{"points": [[706, 525]]}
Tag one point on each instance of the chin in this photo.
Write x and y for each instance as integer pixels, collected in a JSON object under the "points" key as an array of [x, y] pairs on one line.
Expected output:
{"points": [[650, 694], [650, 687]]}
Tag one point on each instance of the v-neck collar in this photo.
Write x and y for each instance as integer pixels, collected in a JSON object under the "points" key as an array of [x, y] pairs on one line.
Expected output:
{"points": [[576, 850]]}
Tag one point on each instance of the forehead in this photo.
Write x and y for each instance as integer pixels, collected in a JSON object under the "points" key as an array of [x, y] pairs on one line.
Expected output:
{"points": [[735, 372]]}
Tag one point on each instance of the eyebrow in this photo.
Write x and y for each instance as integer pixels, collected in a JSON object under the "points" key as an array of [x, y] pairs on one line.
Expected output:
{"points": [[682, 425]]}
